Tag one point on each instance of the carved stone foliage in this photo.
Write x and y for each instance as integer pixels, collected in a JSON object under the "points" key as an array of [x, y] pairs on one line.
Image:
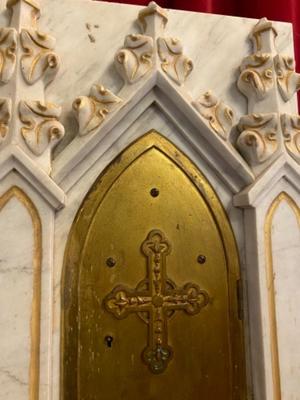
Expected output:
{"points": [[256, 77], [5, 117], [136, 58], [8, 45], [92, 110], [261, 70], [41, 126], [39, 60], [258, 140], [174, 63], [288, 80], [219, 116], [291, 134]]}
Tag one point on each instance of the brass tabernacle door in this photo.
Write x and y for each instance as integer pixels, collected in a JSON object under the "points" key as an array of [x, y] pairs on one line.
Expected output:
{"points": [[150, 306]]}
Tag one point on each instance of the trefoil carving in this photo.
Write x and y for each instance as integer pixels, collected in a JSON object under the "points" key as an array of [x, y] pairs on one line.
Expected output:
{"points": [[257, 77], [173, 62], [219, 116], [288, 80], [258, 140], [5, 118], [39, 59], [135, 60], [92, 110], [8, 46], [291, 134], [41, 126]]}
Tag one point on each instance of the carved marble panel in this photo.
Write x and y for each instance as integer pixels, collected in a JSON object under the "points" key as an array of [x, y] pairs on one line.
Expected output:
{"points": [[282, 241], [20, 280]]}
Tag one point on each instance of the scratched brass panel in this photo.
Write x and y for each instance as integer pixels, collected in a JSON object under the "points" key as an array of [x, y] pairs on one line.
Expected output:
{"points": [[149, 300]]}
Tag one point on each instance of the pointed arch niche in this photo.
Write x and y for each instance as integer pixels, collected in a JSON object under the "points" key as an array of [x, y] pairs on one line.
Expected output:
{"points": [[20, 289], [282, 240], [153, 153]]}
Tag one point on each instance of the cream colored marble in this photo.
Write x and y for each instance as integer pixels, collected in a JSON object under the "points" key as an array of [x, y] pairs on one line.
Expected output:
{"points": [[89, 34], [210, 40], [17, 254], [16, 287], [286, 256]]}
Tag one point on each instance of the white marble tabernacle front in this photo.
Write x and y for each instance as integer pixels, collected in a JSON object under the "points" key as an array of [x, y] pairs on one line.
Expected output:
{"points": [[80, 81]]}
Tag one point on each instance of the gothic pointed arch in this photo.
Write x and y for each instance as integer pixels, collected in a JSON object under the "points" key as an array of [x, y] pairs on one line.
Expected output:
{"points": [[183, 187], [283, 197], [34, 364]]}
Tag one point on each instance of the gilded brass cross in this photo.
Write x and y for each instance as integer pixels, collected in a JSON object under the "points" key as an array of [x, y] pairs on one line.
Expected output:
{"points": [[155, 299]]}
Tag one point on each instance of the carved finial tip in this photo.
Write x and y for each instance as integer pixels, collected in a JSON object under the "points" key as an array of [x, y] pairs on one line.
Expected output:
{"points": [[33, 3], [152, 9], [263, 25]]}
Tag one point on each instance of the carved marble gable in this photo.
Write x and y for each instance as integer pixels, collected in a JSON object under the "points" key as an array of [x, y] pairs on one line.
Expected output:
{"points": [[81, 81]]}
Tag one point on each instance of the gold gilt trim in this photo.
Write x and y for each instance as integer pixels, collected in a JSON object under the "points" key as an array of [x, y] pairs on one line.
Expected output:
{"points": [[76, 242], [34, 368], [271, 287]]}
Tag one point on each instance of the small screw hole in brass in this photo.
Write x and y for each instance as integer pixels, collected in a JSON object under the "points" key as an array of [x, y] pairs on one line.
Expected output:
{"points": [[154, 192], [201, 259], [111, 262]]}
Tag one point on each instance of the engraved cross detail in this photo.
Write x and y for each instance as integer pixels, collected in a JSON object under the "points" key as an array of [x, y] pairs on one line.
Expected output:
{"points": [[155, 300]]}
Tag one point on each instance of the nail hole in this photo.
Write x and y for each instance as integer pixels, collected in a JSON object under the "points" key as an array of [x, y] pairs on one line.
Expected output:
{"points": [[154, 192], [111, 262], [201, 259]]}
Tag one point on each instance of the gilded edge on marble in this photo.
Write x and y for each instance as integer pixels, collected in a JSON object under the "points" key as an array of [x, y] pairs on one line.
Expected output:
{"points": [[34, 368], [271, 287]]}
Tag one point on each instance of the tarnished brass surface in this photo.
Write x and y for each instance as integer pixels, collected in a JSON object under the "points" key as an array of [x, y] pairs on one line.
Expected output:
{"points": [[157, 297], [151, 191]]}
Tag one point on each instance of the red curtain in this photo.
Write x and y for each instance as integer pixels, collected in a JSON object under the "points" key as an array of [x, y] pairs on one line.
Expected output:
{"points": [[280, 10]]}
